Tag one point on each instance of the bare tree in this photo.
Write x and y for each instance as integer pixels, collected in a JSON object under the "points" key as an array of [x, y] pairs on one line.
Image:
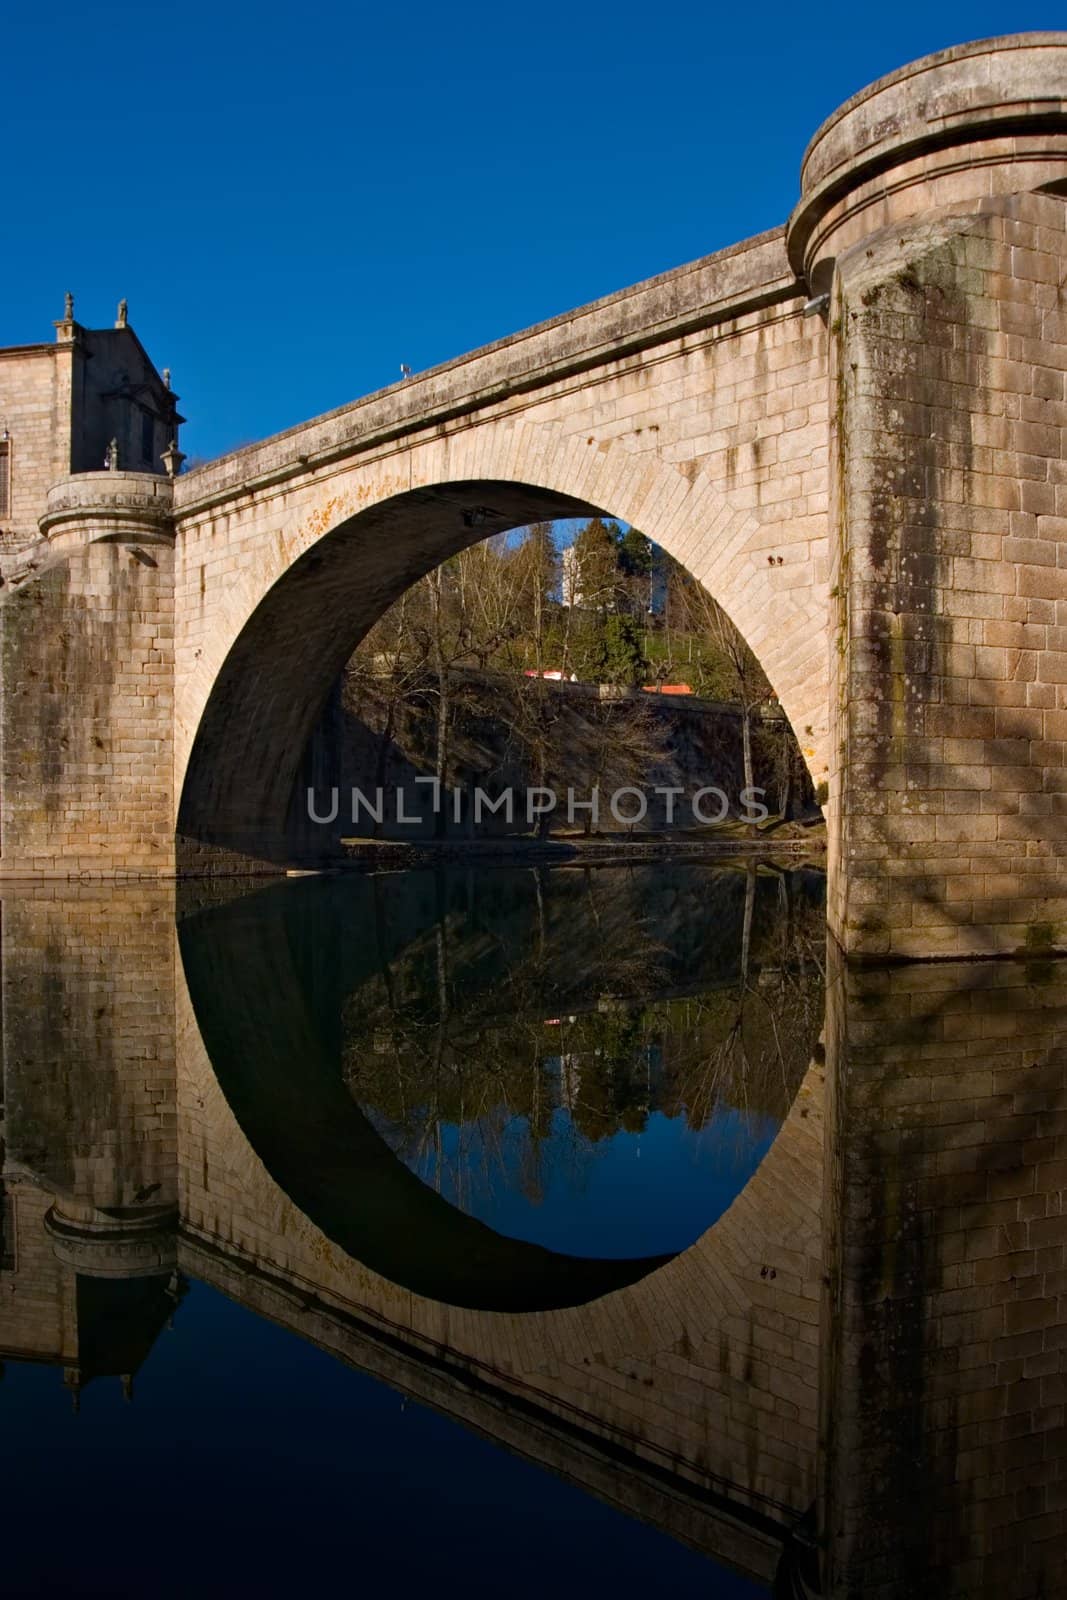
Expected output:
{"points": [[746, 682]]}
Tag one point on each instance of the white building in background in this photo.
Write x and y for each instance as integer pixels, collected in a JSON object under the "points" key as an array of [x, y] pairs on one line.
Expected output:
{"points": [[569, 591], [571, 578]]}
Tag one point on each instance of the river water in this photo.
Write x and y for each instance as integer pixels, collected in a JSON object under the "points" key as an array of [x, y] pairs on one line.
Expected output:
{"points": [[524, 1229]]}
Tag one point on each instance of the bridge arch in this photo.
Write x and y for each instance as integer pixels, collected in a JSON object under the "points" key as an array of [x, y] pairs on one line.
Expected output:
{"points": [[277, 594]]}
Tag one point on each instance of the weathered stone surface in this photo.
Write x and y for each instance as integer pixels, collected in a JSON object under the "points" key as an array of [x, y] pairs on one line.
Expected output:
{"points": [[714, 437], [87, 712], [949, 795], [982, 119]]}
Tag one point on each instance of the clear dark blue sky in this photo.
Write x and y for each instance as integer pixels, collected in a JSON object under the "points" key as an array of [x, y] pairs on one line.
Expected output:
{"points": [[295, 199]]}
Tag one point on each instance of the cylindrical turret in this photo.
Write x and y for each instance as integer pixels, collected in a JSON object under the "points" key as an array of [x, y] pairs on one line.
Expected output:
{"points": [[111, 507], [983, 119]]}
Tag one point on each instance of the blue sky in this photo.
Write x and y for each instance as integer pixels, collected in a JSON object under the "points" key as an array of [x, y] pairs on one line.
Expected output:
{"points": [[295, 200]]}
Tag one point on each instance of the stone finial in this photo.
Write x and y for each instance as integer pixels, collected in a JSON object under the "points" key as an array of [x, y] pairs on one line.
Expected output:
{"points": [[67, 330], [120, 320], [172, 459], [111, 456], [166, 377]]}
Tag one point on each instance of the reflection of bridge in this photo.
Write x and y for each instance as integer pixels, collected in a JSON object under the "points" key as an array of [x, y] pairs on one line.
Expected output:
{"points": [[849, 429], [688, 1398], [929, 1247]]}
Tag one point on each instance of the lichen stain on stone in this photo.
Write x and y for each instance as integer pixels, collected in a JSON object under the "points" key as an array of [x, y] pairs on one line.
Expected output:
{"points": [[323, 1250], [898, 683], [326, 517]]}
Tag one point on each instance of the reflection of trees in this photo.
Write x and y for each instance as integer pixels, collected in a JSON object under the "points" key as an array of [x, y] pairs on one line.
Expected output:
{"points": [[456, 1050], [479, 1067], [751, 1053]]}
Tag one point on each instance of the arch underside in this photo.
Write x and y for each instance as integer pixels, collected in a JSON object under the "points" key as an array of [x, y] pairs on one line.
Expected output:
{"points": [[273, 684], [269, 693]]}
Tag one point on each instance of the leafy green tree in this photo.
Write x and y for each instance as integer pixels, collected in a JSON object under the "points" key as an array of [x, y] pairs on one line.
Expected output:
{"points": [[596, 558], [624, 659], [635, 554]]}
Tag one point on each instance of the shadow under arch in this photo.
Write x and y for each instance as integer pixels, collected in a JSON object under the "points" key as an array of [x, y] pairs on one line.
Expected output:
{"points": [[270, 690], [278, 1074], [266, 1001], [274, 682]]}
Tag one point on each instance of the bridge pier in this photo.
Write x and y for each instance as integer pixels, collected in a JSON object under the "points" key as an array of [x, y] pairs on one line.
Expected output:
{"points": [[87, 685], [933, 222], [949, 591]]}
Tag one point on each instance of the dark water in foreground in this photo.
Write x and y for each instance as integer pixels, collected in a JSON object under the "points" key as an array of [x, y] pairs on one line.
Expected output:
{"points": [[251, 1462], [524, 1231]]}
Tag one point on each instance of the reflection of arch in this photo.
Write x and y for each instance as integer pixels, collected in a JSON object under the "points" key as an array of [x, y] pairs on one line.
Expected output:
{"points": [[703, 1374], [271, 1033], [324, 1153], [305, 579], [281, 1081]]}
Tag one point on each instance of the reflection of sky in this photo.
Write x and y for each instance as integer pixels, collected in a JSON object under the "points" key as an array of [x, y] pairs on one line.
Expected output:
{"points": [[632, 1194], [301, 1476]]}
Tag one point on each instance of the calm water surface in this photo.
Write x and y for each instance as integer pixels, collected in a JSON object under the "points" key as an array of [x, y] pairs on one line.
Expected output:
{"points": [[529, 1230]]}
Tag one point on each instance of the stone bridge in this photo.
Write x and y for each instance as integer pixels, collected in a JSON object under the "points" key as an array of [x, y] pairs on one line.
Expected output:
{"points": [[850, 429]]}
